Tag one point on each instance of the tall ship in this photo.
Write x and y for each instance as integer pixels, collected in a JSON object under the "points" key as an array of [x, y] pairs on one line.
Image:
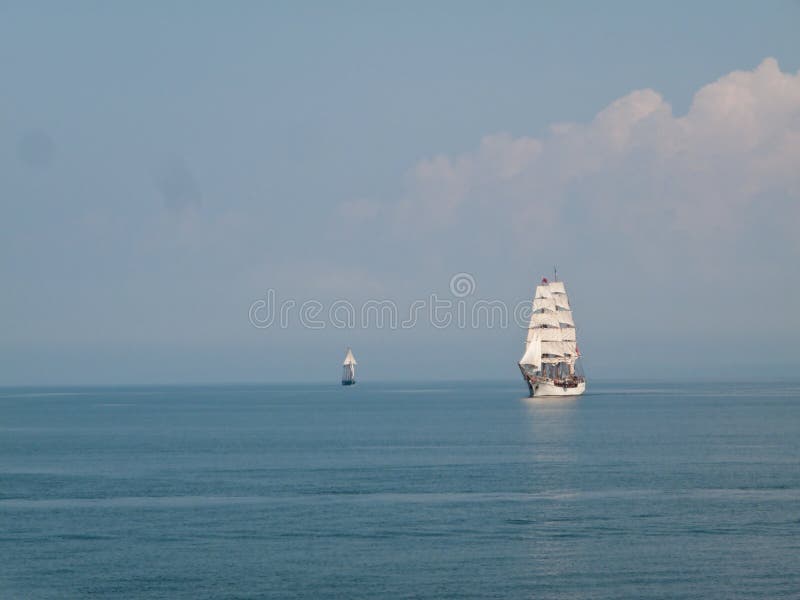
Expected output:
{"points": [[349, 368], [550, 364]]}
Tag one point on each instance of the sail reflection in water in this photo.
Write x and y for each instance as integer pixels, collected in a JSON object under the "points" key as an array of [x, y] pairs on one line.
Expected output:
{"points": [[552, 422]]}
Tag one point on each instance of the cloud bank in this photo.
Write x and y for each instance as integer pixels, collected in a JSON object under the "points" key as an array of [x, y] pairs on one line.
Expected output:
{"points": [[635, 171]]}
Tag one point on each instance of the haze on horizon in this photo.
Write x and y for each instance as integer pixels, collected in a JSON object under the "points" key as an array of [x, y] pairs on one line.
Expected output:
{"points": [[163, 166]]}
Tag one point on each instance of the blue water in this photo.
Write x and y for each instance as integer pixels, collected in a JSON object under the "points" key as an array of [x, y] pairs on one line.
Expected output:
{"points": [[401, 491]]}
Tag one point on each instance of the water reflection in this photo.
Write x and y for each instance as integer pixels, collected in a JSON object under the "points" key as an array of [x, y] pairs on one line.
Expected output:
{"points": [[552, 434], [552, 428]]}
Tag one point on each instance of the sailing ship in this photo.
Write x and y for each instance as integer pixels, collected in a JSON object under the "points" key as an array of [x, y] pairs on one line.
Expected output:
{"points": [[550, 364], [349, 368]]}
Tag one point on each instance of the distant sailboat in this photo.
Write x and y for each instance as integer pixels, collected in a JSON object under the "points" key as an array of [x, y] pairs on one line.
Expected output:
{"points": [[550, 363], [349, 371]]}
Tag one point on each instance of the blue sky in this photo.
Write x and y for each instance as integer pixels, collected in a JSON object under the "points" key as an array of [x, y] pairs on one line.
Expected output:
{"points": [[162, 166]]}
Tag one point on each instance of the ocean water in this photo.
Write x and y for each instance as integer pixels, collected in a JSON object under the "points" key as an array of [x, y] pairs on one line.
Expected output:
{"points": [[456, 490]]}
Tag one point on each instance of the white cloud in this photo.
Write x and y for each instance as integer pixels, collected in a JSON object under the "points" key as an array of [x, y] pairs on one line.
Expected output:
{"points": [[635, 169]]}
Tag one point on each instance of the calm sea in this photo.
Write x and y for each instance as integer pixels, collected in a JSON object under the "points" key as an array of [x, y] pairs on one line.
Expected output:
{"points": [[400, 491]]}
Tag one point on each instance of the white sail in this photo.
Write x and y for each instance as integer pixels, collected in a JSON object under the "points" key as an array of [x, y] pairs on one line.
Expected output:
{"points": [[570, 348], [533, 353], [551, 351], [549, 318], [565, 317], [542, 291], [558, 351], [557, 287], [544, 304], [568, 334], [561, 301], [549, 334], [349, 359]]}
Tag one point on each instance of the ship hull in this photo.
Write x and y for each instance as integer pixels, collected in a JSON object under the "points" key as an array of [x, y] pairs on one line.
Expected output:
{"points": [[344, 382], [547, 388]]}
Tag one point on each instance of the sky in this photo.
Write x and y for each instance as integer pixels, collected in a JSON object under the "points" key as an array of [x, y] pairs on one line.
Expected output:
{"points": [[166, 166]]}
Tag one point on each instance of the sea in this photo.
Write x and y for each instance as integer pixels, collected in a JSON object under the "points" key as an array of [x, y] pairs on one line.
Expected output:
{"points": [[408, 490]]}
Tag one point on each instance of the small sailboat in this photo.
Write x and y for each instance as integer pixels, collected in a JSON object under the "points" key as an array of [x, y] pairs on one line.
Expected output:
{"points": [[550, 364], [349, 368]]}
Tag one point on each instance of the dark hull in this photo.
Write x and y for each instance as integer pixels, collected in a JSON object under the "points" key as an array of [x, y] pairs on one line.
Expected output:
{"points": [[346, 382]]}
